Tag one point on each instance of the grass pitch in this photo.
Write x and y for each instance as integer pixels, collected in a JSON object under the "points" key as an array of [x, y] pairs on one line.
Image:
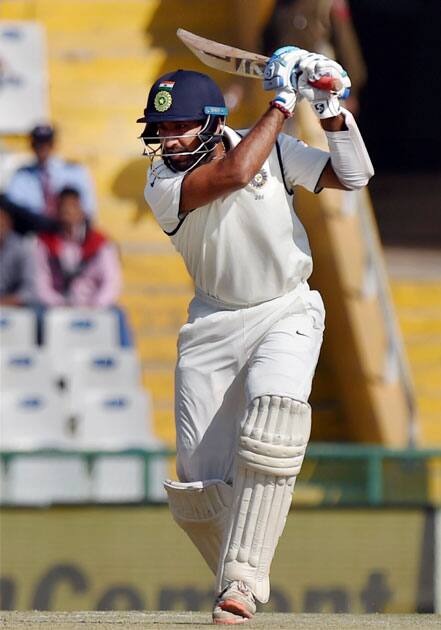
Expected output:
{"points": [[180, 620]]}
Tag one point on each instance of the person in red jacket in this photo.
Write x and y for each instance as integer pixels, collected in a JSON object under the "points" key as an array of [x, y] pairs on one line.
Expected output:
{"points": [[79, 266]]}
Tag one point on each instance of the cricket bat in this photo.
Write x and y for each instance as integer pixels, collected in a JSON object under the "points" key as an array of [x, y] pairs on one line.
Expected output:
{"points": [[237, 61]]}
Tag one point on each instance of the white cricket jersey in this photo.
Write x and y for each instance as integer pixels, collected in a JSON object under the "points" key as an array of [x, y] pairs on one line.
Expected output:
{"points": [[248, 246]]}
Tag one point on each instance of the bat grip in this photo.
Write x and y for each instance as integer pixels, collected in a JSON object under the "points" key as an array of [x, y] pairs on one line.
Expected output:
{"points": [[328, 84]]}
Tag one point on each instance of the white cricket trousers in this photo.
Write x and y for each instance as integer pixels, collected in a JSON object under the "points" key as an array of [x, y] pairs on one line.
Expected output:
{"points": [[229, 356]]}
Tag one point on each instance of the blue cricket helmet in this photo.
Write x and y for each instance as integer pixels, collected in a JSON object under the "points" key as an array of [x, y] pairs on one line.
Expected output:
{"points": [[183, 95]]}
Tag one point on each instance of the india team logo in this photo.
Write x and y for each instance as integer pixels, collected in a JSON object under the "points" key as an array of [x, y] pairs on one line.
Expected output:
{"points": [[163, 101], [259, 180]]}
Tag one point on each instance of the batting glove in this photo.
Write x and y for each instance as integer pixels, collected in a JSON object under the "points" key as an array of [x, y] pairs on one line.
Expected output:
{"points": [[312, 68], [280, 76], [280, 67]]}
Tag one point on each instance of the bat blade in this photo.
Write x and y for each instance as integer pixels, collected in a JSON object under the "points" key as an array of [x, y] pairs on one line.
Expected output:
{"points": [[222, 57], [237, 61]]}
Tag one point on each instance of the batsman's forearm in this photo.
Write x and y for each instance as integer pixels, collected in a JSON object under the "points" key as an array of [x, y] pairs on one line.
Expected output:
{"points": [[249, 155]]}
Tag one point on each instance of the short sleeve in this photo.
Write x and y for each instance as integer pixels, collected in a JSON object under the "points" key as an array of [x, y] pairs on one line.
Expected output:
{"points": [[163, 194], [302, 164]]}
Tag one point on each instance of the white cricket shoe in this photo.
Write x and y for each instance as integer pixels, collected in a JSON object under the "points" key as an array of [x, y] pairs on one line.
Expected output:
{"points": [[236, 604]]}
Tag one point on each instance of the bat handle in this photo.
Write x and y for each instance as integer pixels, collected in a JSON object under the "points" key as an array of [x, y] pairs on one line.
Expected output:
{"points": [[328, 84]]}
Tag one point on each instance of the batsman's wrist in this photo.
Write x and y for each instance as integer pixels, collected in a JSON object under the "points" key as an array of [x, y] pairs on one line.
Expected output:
{"points": [[278, 105], [336, 123], [285, 101]]}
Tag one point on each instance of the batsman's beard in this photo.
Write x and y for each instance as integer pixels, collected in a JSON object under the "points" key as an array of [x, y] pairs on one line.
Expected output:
{"points": [[181, 162]]}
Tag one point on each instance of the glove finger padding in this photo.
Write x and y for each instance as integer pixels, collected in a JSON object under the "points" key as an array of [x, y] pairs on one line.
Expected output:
{"points": [[280, 67], [314, 67]]}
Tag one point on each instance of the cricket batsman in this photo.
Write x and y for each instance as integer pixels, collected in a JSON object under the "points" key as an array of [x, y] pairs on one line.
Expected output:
{"points": [[248, 352]]}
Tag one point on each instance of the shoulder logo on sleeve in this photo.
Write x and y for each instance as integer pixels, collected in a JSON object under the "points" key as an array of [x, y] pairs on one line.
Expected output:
{"points": [[259, 180], [163, 101]]}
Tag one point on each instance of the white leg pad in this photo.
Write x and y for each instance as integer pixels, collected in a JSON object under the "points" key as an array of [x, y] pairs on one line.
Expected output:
{"points": [[202, 508], [271, 450]]}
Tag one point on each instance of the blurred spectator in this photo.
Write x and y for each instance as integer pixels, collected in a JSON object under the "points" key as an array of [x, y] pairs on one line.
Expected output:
{"points": [[323, 26], [17, 264], [37, 185], [79, 266]]}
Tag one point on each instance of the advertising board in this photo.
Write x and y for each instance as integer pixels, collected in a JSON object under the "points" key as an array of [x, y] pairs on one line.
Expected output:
{"points": [[136, 558]]}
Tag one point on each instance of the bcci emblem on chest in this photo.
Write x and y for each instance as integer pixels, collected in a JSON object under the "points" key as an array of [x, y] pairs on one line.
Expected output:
{"points": [[258, 182]]}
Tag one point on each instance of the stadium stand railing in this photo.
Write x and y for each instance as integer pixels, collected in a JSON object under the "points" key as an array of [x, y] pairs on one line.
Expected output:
{"points": [[332, 475]]}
